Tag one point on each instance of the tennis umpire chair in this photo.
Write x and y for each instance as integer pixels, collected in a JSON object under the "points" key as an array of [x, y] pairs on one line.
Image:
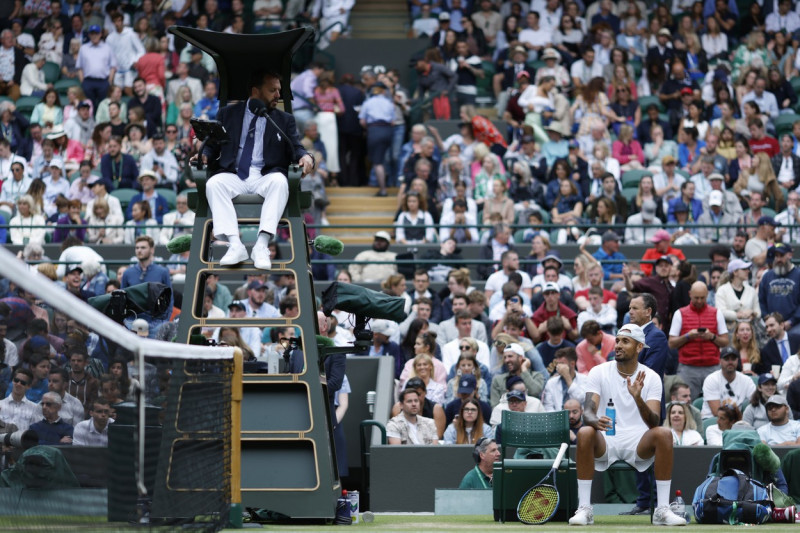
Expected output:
{"points": [[512, 477]]}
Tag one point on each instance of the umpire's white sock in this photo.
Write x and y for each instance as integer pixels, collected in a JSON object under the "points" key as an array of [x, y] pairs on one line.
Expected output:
{"points": [[263, 239], [585, 492], [234, 240], [662, 492]]}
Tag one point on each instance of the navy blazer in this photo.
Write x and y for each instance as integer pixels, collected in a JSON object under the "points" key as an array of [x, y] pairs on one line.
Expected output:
{"points": [[656, 356], [279, 153], [162, 207], [771, 354]]}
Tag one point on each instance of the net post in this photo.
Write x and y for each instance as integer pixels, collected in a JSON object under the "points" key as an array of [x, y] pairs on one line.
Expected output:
{"points": [[235, 517]]}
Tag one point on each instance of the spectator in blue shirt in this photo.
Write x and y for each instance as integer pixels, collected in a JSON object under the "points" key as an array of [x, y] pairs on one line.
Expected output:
{"points": [[145, 271], [608, 252], [206, 108]]}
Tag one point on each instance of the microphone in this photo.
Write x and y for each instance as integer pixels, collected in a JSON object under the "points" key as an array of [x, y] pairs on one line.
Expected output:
{"points": [[371, 401], [258, 108], [328, 245]]}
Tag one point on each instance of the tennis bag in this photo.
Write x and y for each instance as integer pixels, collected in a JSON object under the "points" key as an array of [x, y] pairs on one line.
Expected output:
{"points": [[730, 499]]}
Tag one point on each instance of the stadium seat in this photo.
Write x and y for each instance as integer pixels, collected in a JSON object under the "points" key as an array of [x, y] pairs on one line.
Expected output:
{"points": [[698, 403], [706, 423], [61, 86], [52, 71], [630, 193], [533, 66], [631, 178], [682, 173], [543, 431], [169, 195], [25, 104], [645, 101], [124, 196], [783, 124]]}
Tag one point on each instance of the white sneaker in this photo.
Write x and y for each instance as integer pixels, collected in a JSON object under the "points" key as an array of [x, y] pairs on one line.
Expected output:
{"points": [[260, 257], [235, 255], [583, 516], [663, 516]]}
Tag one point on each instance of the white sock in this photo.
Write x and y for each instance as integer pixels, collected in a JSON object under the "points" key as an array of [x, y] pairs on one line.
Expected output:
{"points": [[585, 492], [234, 240], [263, 239], [662, 492]]}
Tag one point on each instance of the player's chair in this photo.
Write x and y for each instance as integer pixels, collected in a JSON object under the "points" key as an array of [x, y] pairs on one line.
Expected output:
{"points": [[512, 477]]}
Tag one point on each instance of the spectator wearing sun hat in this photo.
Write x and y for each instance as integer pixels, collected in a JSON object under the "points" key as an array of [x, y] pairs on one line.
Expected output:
{"points": [[158, 204], [96, 65]]}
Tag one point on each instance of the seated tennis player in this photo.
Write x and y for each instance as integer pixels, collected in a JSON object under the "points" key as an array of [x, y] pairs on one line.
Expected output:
{"points": [[637, 437]]}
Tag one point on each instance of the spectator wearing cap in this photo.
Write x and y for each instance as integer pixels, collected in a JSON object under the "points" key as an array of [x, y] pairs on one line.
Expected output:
{"points": [[730, 202], [552, 60], [374, 272], [97, 66], [162, 162], [716, 225], [642, 226], [80, 125], [466, 386], [118, 169], [779, 289], [33, 82], [781, 430], [662, 245], [553, 307], [100, 188], [158, 204], [516, 364], [737, 299], [515, 398], [73, 282], [55, 185], [438, 37], [250, 335], [757, 246], [755, 413], [698, 331], [610, 257], [585, 69], [551, 261], [255, 305]]}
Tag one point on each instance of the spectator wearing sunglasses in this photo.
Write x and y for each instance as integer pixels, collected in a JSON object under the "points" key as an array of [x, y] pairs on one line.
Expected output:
{"points": [[52, 429], [726, 386], [16, 408]]}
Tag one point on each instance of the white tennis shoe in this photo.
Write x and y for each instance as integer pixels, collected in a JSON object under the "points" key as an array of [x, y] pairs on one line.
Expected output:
{"points": [[260, 257], [584, 516], [663, 516], [236, 254]]}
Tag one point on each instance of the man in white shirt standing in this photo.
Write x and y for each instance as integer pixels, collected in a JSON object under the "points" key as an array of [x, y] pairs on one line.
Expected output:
{"points": [[583, 70], [127, 49], [94, 431]]}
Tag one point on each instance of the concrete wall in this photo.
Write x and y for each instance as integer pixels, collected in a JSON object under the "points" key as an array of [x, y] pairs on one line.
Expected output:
{"points": [[405, 478]]}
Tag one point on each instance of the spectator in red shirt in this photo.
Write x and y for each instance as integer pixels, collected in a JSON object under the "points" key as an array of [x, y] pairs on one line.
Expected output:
{"points": [[595, 276], [552, 306], [759, 141], [595, 348], [661, 246]]}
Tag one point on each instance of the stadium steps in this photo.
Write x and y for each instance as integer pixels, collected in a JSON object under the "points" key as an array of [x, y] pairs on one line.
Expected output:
{"points": [[379, 19], [359, 205]]}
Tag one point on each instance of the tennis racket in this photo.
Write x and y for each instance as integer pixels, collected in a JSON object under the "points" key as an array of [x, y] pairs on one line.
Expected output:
{"points": [[539, 503]]}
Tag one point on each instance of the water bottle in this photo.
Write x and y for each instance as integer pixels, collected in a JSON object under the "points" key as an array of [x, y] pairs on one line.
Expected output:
{"points": [[611, 413], [679, 507]]}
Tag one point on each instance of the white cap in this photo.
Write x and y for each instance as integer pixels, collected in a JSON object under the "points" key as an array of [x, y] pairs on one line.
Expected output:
{"points": [[516, 348], [634, 332], [715, 198]]}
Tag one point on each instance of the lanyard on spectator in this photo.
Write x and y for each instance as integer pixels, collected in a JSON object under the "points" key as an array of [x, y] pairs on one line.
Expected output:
{"points": [[117, 177]]}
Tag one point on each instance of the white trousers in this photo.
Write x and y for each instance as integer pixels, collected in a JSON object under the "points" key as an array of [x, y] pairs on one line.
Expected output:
{"points": [[329, 133], [222, 188]]}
